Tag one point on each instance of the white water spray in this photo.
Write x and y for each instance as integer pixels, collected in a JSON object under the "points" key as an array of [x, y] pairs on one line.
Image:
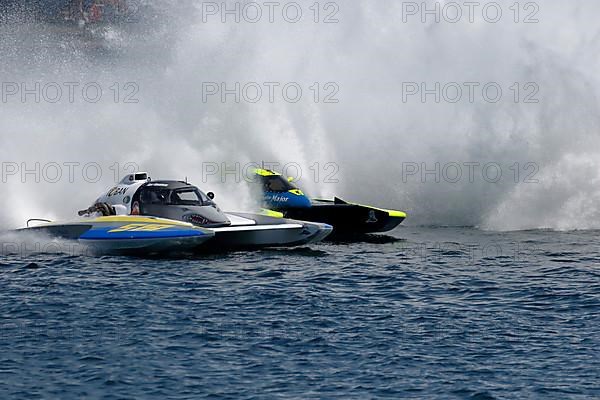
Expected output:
{"points": [[375, 133]]}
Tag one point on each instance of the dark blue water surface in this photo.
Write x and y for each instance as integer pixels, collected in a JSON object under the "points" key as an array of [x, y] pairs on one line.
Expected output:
{"points": [[438, 314]]}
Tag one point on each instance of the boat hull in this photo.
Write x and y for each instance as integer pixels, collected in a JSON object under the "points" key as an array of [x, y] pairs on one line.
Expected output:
{"points": [[127, 234], [348, 219], [258, 231]]}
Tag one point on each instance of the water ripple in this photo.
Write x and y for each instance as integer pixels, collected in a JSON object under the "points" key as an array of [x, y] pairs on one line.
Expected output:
{"points": [[370, 319]]}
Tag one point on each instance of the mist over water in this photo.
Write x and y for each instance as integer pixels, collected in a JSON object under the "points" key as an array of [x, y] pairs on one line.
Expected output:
{"points": [[371, 133]]}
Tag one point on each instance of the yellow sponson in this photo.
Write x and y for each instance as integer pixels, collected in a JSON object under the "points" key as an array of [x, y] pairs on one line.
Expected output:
{"points": [[392, 213], [297, 192], [271, 213], [139, 220], [397, 214], [265, 172]]}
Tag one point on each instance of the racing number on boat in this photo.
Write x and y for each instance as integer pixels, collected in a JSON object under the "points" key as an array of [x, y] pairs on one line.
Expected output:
{"points": [[140, 228]]}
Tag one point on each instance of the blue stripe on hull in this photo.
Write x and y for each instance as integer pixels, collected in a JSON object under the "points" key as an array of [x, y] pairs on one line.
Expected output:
{"points": [[106, 234]]}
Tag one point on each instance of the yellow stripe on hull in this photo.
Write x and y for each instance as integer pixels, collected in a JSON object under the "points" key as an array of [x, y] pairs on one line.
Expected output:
{"points": [[140, 219]]}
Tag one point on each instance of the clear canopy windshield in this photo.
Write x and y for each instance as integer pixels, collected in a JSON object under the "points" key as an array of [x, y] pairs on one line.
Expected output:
{"points": [[189, 197], [277, 184], [155, 196], [162, 196]]}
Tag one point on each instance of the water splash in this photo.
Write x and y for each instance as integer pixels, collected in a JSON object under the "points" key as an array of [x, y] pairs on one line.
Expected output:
{"points": [[371, 134]]}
